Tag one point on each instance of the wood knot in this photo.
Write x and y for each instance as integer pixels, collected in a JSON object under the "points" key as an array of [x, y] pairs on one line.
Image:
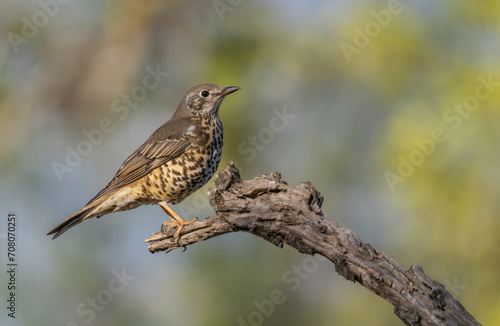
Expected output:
{"points": [[438, 298], [233, 170], [315, 199], [225, 178]]}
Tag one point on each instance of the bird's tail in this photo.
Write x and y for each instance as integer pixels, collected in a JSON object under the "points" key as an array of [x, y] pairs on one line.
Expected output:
{"points": [[70, 222]]}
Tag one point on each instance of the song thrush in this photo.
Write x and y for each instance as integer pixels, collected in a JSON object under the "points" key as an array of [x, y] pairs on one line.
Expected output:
{"points": [[178, 159]]}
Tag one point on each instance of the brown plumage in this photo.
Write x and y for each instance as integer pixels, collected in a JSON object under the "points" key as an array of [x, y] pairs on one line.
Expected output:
{"points": [[176, 160]]}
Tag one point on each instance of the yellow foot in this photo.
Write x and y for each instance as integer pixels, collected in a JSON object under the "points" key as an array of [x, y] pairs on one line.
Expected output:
{"points": [[179, 225], [177, 221]]}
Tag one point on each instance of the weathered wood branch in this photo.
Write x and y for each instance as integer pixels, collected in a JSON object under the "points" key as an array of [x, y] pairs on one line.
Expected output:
{"points": [[271, 209]]}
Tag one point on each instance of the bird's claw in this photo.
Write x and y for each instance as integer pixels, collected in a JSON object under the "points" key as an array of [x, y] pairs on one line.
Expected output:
{"points": [[177, 234]]}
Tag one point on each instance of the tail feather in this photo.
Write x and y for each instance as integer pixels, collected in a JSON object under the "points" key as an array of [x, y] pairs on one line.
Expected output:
{"points": [[70, 222]]}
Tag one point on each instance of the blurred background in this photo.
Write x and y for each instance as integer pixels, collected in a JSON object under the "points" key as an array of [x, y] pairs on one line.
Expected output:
{"points": [[389, 108]]}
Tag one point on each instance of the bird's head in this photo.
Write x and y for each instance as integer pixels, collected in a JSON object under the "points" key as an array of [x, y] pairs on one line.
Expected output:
{"points": [[205, 99]]}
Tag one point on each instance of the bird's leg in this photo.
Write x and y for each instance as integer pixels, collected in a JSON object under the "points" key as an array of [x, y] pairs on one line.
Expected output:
{"points": [[176, 220]]}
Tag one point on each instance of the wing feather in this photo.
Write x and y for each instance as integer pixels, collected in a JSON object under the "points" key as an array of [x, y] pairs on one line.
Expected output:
{"points": [[151, 155]]}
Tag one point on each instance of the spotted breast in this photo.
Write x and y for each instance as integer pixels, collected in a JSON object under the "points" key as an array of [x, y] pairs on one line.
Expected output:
{"points": [[182, 176]]}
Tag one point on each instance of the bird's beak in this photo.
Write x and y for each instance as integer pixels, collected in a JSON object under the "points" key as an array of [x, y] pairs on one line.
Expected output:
{"points": [[229, 90]]}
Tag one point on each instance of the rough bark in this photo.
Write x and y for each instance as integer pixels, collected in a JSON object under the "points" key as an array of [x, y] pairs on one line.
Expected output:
{"points": [[271, 209]]}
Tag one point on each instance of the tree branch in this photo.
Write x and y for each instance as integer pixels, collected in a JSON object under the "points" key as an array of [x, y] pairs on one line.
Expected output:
{"points": [[271, 209]]}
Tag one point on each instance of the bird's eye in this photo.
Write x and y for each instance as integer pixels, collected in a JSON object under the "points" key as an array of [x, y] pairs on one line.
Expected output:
{"points": [[205, 93]]}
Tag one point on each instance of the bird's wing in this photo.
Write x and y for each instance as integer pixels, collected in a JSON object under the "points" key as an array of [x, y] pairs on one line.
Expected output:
{"points": [[148, 158], [152, 154]]}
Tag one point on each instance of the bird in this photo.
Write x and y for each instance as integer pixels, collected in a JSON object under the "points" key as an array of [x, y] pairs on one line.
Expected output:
{"points": [[175, 161]]}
